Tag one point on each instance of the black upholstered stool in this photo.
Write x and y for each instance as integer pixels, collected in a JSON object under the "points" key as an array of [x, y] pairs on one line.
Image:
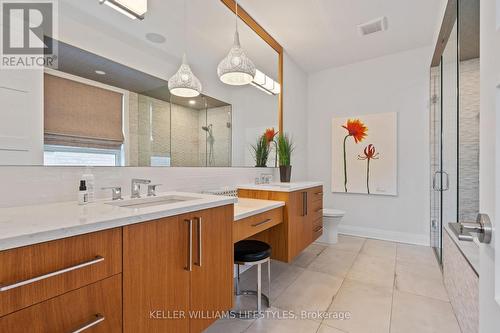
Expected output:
{"points": [[251, 253]]}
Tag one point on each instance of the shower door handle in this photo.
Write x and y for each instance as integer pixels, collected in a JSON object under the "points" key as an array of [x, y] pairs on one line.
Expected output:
{"points": [[446, 183]]}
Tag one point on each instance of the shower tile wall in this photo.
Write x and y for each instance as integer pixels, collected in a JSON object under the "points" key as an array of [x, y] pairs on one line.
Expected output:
{"points": [[220, 118], [185, 136], [149, 129], [469, 140]]}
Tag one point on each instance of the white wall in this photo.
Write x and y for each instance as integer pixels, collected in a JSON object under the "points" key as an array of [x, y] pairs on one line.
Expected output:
{"points": [[394, 83], [296, 114]]}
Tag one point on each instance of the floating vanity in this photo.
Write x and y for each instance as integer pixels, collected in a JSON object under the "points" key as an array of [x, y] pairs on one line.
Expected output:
{"points": [[121, 266], [302, 216]]}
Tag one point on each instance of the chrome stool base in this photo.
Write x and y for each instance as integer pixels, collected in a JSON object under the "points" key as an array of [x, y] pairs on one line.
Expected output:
{"points": [[253, 314]]}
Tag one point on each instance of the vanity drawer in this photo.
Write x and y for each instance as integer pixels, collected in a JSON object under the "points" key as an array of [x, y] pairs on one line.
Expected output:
{"points": [[98, 307], [32, 274], [316, 193], [316, 210], [254, 224], [317, 230]]}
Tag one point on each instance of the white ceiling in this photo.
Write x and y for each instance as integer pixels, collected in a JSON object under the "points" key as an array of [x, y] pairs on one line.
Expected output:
{"points": [[319, 34], [210, 29]]}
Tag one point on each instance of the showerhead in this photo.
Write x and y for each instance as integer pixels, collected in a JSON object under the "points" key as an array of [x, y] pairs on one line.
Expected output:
{"points": [[206, 128]]}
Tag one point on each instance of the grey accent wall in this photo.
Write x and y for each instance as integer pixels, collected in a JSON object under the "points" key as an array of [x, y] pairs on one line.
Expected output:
{"points": [[469, 140]]}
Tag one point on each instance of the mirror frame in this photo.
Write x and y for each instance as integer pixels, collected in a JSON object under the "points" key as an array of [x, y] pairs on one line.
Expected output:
{"points": [[262, 33]]}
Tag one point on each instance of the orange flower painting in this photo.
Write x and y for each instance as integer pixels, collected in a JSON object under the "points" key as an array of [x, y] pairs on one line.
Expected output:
{"points": [[364, 157], [358, 131]]}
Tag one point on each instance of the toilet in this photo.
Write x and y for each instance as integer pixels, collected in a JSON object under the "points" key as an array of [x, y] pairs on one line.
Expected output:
{"points": [[331, 221]]}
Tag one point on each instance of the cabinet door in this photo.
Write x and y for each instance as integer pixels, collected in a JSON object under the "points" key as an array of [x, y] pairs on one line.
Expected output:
{"points": [[96, 307], [212, 270], [155, 279], [297, 228]]}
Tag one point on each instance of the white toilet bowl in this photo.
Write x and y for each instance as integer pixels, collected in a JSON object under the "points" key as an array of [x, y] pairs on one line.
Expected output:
{"points": [[331, 221]]}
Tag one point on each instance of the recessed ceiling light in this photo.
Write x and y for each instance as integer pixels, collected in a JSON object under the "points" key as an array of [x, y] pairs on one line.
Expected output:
{"points": [[99, 72], [192, 102], [153, 37]]}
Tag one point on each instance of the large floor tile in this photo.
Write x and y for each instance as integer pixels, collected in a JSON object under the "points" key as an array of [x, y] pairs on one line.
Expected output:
{"points": [[373, 270], [378, 248], [415, 254], [308, 255], [425, 282], [417, 314], [429, 271], [334, 262], [348, 243], [282, 276], [369, 307], [327, 329], [311, 291], [229, 326], [277, 321]]}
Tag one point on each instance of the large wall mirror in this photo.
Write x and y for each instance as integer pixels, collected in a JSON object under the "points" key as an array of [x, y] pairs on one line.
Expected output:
{"points": [[107, 102]]}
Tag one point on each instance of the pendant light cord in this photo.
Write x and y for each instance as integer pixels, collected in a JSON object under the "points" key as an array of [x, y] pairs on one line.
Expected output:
{"points": [[236, 14]]}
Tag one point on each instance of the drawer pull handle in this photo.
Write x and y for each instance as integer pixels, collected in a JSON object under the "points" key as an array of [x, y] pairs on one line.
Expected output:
{"points": [[261, 223], [318, 229], [199, 241], [98, 319], [94, 261], [189, 266]]}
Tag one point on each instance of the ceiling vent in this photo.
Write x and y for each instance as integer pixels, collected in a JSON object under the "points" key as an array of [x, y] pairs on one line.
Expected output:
{"points": [[373, 26]]}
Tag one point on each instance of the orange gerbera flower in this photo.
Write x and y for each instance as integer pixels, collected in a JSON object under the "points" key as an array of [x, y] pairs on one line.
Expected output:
{"points": [[356, 129], [270, 134]]}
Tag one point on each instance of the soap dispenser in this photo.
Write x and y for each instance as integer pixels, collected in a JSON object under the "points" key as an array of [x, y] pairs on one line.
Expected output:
{"points": [[83, 198]]}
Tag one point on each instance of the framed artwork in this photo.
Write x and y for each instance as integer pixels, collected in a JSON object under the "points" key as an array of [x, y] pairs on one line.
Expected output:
{"points": [[364, 154]]}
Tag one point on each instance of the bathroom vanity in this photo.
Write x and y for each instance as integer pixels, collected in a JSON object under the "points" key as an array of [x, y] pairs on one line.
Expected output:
{"points": [[302, 219], [67, 268]]}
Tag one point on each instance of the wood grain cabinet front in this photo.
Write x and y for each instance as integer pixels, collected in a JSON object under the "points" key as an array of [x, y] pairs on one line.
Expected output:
{"points": [[301, 216], [178, 272], [96, 308], [32, 274]]}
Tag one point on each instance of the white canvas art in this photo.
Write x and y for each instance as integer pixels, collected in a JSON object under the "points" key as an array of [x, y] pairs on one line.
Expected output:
{"points": [[364, 154]]}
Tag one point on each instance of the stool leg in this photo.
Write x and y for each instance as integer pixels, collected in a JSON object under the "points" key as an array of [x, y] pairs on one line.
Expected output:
{"points": [[259, 289], [238, 279], [269, 281]]}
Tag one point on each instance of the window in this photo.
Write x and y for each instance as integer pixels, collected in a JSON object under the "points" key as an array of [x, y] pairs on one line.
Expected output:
{"points": [[80, 156]]}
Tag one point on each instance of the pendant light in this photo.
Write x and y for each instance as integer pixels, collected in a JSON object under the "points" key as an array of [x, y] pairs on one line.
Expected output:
{"points": [[236, 68], [184, 83]]}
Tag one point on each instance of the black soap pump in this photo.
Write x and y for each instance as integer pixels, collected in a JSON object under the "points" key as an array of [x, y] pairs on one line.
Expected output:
{"points": [[83, 196]]}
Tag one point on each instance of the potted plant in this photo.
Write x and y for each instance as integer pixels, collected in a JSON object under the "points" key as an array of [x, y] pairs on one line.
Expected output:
{"points": [[285, 149], [261, 152]]}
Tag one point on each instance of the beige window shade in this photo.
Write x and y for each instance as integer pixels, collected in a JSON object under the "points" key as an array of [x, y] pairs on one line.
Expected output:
{"points": [[81, 115]]}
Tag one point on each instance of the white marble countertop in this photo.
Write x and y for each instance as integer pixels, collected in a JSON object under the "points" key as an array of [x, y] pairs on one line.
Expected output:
{"points": [[248, 207], [27, 225], [470, 250], [280, 187]]}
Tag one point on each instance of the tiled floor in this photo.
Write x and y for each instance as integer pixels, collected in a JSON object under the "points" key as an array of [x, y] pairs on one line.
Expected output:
{"points": [[383, 287]]}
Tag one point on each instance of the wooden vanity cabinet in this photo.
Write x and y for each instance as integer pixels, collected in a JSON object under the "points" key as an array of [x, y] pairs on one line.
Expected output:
{"points": [[170, 282], [302, 222]]}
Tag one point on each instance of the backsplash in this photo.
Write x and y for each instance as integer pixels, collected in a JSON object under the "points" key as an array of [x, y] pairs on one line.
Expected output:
{"points": [[35, 185]]}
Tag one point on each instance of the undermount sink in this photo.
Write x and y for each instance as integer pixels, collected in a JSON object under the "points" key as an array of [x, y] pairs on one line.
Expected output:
{"points": [[152, 201], [277, 185]]}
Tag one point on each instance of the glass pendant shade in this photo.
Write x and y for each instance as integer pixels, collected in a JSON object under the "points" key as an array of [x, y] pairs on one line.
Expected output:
{"points": [[184, 83], [236, 68]]}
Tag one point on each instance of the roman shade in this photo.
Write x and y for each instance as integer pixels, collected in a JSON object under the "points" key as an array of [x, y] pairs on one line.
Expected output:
{"points": [[81, 115]]}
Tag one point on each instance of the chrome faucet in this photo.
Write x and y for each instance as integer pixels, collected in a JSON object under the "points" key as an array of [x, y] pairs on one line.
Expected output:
{"points": [[135, 191]]}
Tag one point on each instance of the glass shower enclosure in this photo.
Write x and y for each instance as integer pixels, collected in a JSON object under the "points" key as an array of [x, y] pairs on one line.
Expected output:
{"points": [[454, 129]]}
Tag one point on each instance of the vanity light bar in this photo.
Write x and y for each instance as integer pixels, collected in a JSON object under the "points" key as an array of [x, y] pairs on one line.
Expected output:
{"points": [[263, 82], [135, 9]]}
